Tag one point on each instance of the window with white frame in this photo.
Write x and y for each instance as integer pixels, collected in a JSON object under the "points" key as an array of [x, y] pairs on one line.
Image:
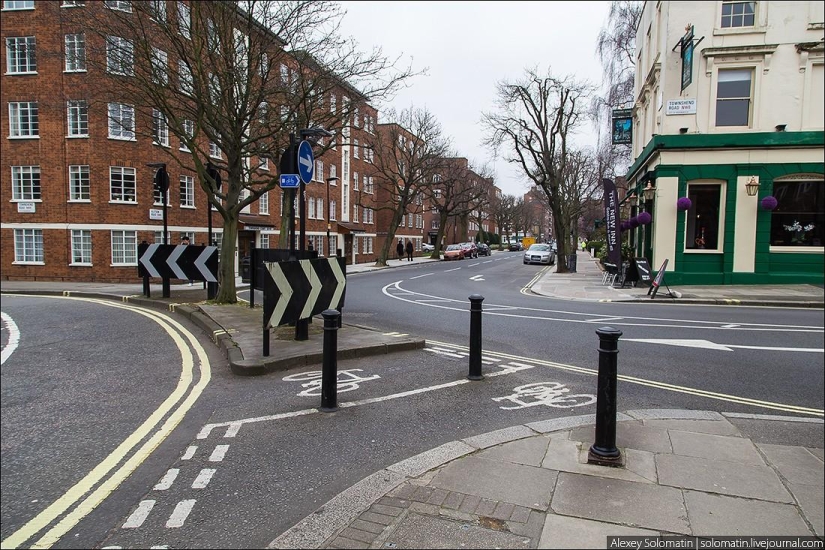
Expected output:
{"points": [[122, 186], [158, 237], [263, 70], [355, 213], [738, 14], [214, 150], [121, 121], [184, 20], [79, 187], [333, 171], [332, 107], [160, 66], [187, 192], [28, 246], [311, 207], [77, 113], [355, 150], [18, 5], [318, 174], [369, 244], [333, 215], [81, 247], [120, 57], [119, 5], [25, 183], [75, 52], [20, 55], [263, 163], [23, 120], [410, 223], [189, 132], [73, 3], [703, 223], [356, 186], [157, 10], [263, 204], [185, 80], [124, 247], [403, 222], [264, 240], [333, 245], [160, 129], [733, 97], [319, 207], [370, 186]]}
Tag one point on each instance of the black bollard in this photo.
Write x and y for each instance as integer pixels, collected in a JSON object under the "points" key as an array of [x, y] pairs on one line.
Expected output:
{"points": [[604, 452], [266, 342], [329, 373], [146, 289], [475, 337]]}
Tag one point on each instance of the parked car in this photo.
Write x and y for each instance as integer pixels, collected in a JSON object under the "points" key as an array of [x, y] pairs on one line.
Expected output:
{"points": [[427, 247], [483, 249], [540, 254], [470, 249], [454, 252], [514, 246]]}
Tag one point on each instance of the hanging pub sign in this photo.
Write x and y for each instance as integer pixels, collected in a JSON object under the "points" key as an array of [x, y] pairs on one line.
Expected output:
{"points": [[622, 126], [611, 216], [687, 58]]}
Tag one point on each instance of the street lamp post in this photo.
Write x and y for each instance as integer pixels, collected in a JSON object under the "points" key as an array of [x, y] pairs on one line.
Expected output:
{"points": [[329, 240]]}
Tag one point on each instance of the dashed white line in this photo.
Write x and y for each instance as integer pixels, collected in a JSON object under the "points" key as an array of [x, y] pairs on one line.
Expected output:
{"points": [[190, 452], [219, 453], [473, 265], [487, 262], [181, 512], [167, 480], [232, 430], [203, 479], [419, 276], [604, 319], [456, 269], [139, 516]]}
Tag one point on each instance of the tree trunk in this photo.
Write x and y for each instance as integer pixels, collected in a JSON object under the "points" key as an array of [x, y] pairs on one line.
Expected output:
{"points": [[562, 244], [442, 223], [226, 272], [389, 241], [283, 237]]}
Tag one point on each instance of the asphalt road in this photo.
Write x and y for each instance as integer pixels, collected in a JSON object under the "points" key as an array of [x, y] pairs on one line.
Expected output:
{"points": [[254, 455]]}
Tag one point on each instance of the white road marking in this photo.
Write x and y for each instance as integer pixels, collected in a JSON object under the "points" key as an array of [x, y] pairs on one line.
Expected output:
{"points": [[477, 278], [473, 265], [604, 319], [419, 276], [14, 337], [456, 269], [707, 344], [447, 353], [181, 512], [190, 452], [167, 480], [232, 430], [730, 326], [487, 262], [139, 515], [203, 479], [219, 453]]}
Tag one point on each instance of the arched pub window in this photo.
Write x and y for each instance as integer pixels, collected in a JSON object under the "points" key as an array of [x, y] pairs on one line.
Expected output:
{"points": [[799, 218]]}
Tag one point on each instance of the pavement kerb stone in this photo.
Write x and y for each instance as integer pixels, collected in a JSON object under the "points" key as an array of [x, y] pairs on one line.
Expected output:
{"points": [[308, 532]]}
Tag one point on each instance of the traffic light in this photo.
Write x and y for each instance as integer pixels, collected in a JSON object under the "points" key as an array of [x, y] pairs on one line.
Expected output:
{"points": [[161, 184], [213, 173]]}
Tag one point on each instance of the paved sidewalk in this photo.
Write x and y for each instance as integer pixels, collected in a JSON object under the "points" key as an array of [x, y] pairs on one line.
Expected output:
{"points": [[691, 473]]}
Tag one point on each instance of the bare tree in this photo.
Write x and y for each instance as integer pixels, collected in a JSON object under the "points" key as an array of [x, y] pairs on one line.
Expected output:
{"points": [[232, 81], [456, 192], [409, 150], [534, 120], [502, 210], [582, 183]]}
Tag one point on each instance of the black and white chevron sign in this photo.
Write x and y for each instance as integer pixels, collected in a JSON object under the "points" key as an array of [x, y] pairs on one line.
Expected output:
{"points": [[299, 289], [182, 261]]}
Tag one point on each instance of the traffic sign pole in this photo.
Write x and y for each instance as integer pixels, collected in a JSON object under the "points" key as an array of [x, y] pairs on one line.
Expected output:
{"points": [[306, 169]]}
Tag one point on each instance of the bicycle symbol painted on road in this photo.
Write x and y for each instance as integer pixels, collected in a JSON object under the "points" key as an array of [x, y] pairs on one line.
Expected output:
{"points": [[549, 394], [347, 381]]}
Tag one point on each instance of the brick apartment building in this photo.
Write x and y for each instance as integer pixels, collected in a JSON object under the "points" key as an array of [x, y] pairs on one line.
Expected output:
{"points": [[77, 194]]}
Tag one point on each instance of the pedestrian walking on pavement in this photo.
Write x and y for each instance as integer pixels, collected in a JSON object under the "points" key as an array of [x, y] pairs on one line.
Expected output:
{"points": [[399, 248], [185, 240], [410, 250]]}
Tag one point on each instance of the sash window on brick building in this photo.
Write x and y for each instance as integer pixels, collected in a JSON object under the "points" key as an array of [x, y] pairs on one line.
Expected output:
{"points": [[187, 191], [81, 247], [121, 121], [28, 245], [79, 189], [124, 247], [122, 184], [77, 112], [23, 119], [120, 57], [75, 52], [25, 183], [20, 55]]}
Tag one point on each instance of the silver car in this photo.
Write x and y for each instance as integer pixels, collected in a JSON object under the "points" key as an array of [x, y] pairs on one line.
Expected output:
{"points": [[539, 254]]}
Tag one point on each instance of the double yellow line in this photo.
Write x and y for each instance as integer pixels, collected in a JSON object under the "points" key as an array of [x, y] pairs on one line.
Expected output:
{"points": [[653, 384], [172, 409]]}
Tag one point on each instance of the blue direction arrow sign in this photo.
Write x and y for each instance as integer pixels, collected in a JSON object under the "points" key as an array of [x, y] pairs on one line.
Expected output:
{"points": [[306, 161], [290, 181]]}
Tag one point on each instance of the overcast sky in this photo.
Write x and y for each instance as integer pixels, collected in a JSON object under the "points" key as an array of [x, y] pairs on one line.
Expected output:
{"points": [[468, 47]]}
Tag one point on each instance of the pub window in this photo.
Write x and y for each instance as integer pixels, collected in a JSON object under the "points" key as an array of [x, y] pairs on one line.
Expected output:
{"points": [[703, 225], [733, 97], [738, 14], [799, 217]]}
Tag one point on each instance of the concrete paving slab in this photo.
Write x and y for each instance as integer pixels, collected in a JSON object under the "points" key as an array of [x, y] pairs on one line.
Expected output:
{"points": [[795, 464], [819, 453], [811, 501], [720, 476], [722, 515], [421, 463], [498, 480], [718, 427], [569, 532], [636, 504], [421, 531], [716, 447], [633, 435], [571, 456], [529, 451]]}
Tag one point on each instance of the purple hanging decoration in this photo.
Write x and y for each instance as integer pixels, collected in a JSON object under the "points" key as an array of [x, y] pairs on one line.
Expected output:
{"points": [[644, 218], [769, 203], [634, 222], [683, 204]]}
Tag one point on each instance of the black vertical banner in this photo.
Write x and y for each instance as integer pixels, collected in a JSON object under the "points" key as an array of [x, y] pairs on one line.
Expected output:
{"points": [[611, 215]]}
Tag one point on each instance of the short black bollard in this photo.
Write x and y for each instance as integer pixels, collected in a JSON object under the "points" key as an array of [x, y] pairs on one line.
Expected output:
{"points": [[604, 452], [475, 337], [266, 342], [329, 373], [147, 291]]}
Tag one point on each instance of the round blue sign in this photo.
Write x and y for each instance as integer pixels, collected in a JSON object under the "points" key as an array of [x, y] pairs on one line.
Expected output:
{"points": [[306, 161]]}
